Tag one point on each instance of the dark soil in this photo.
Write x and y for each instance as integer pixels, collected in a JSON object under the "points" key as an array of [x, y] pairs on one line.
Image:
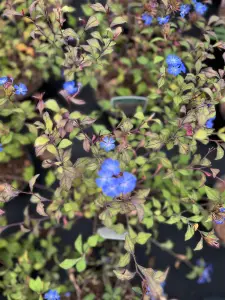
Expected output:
{"points": [[13, 170]]}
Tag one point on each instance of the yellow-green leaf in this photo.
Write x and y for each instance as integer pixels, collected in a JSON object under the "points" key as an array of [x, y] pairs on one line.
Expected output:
{"points": [[69, 263], [78, 244], [124, 260], [142, 237], [81, 264], [64, 144], [92, 22], [41, 140]]}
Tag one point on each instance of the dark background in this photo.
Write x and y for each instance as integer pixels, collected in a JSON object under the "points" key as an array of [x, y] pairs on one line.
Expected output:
{"points": [[177, 285]]}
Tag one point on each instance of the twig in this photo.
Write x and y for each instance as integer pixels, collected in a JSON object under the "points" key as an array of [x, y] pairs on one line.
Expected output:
{"points": [[74, 282], [175, 255]]}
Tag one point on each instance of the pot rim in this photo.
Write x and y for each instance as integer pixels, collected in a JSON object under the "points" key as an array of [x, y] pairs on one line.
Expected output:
{"points": [[132, 97]]}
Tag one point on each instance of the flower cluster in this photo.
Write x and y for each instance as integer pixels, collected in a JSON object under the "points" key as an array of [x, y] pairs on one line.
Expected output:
{"points": [[1, 148], [163, 20], [112, 181], [107, 143], [210, 123], [200, 8], [175, 65], [52, 295], [205, 277], [3, 80], [147, 19], [184, 10], [20, 89], [220, 218], [70, 87]]}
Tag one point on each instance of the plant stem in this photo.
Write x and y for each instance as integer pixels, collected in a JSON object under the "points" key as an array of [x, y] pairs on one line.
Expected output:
{"points": [[171, 252], [74, 282]]}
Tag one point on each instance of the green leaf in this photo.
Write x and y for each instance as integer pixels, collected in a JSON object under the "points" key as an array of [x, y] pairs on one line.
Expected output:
{"points": [[68, 9], [68, 263], [50, 178], [212, 194], [173, 220], [94, 43], [199, 246], [117, 21], [200, 135], [198, 66], [124, 274], [189, 233], [98, 7], [81, 265], [41, 140], [78, 244], [177, 100], [142, 60], [32, 181], [52, 149], [158, 59], [6, 139], [52, 105], [36, 285], [219, 153], [166, 163], [140, 160], [48, 122], [129, 245], [142, 238], [139, 115], [93, 240], [124, 260], [92, 22], [161, 82], [64, 144], [195, 218]]}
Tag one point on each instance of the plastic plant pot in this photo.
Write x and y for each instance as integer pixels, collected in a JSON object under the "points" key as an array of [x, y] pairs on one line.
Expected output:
{"points": [[129, 103]]}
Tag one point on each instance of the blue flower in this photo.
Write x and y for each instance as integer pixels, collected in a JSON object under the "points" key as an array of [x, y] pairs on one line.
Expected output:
{"points": [[175, 65], [3, 80], [163, 20], [222, 209], [110, 167], [108, 143], [52, 295], [173, 59], [103, 179], [112, 188], [112, 181], [183, 68], [174, 70], [68, 294], [206, 274], [70, 87], [184, 10], [209, 124], [200, 8], [147, 19], [127, 183], [219, 221], [1, 148], [148, 290], [21, 89]]}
